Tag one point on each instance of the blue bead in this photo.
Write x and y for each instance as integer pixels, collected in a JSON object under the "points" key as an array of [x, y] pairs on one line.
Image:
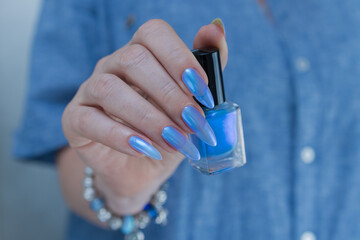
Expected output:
{"points": [[152, 212], [96, 204], [147, 207], [128, 224]]}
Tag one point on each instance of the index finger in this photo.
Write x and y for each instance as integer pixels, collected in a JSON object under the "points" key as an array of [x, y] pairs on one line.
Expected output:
{"points": [[173, 54]]}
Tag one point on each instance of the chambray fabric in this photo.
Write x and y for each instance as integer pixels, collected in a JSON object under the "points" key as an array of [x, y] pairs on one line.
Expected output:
{"points": [[286, 106]]}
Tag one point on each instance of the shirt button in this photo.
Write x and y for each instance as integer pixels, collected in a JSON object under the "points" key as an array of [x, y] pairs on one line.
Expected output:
{"points": [[302, 64], [308, 236], [307, 155]]}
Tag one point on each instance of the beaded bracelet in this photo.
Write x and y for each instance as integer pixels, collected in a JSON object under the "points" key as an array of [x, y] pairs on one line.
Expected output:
{"points": [[129, 225]]}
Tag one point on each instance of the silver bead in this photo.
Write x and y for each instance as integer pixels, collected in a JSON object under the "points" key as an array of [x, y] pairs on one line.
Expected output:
{"points": [[115, 223], [89, 194], [88, 171], [104, 215], [142, 219], [162, 217], [160, 198], [137, 235], [88, 182]]}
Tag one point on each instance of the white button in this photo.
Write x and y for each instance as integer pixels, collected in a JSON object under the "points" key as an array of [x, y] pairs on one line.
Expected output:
{"points": [[307, 154], [308, 236], [302, 64]]}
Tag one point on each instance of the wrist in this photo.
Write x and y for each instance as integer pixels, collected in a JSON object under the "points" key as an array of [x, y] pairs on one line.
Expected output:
{"points": [[130, 225], [123, 202]]}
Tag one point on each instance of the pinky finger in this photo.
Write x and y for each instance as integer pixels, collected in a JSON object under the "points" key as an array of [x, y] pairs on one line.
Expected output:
{"points": [[95, 125]]}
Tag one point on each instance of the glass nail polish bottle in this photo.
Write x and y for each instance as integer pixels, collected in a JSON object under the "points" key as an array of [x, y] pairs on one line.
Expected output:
{"points": [[224, 119]]}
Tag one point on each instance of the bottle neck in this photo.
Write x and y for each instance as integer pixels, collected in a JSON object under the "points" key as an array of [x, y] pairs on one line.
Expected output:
{"points": [[209, 59]]}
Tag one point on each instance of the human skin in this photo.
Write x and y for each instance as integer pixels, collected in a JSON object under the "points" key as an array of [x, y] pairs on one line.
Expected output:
{"points": [[135, 91]]}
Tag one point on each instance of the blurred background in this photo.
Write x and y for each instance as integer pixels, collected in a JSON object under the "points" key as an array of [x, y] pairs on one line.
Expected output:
{"points": [[31, 206]]}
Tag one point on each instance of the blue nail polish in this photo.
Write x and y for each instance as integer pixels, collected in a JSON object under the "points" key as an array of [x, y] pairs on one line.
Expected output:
{"points": [[180, 142], [144, 147], [225, 121], [198, 87], [196, 122]]}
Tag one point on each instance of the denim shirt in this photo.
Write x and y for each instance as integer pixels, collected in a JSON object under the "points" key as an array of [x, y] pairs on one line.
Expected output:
{"points": [[295, 75]]}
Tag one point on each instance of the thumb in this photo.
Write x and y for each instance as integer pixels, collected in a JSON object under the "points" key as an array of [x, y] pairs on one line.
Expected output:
{"points": [[213, 35]]}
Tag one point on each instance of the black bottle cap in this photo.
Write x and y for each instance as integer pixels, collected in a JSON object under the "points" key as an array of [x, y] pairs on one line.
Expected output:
{"points": [[209, 59]]}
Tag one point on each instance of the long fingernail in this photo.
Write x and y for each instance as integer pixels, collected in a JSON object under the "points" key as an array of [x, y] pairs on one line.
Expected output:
{"points": [[219, 23], [196, 121], [198, 87], [180, 142], [144, 147]]}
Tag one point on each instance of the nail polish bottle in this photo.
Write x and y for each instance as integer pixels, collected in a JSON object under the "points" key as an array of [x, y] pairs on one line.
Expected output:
{"points": [[224, 119]]}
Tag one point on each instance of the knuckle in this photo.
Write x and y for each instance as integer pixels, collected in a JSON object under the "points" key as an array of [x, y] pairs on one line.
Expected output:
{"points": [[131, 56], [112, 134], [71, 118], [179, 56], [75, 121], [145, 116], [155, 21], [65, 118], [150, 27], [99, 65], [81, 121], [101, 87], [66, 113], [170, 91], [82, 90]]}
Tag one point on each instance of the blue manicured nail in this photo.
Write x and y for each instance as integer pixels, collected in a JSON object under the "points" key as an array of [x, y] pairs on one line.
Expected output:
{"points": [[193, 118], [144, 147], [198, 87], [180, 142]]}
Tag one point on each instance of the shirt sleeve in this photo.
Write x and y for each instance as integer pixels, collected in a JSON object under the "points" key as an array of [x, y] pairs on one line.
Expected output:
{"points": [[64, 54]]}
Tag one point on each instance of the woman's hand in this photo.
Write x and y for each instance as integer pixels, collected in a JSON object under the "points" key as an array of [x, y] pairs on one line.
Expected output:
{"points": [[137, 108]]}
